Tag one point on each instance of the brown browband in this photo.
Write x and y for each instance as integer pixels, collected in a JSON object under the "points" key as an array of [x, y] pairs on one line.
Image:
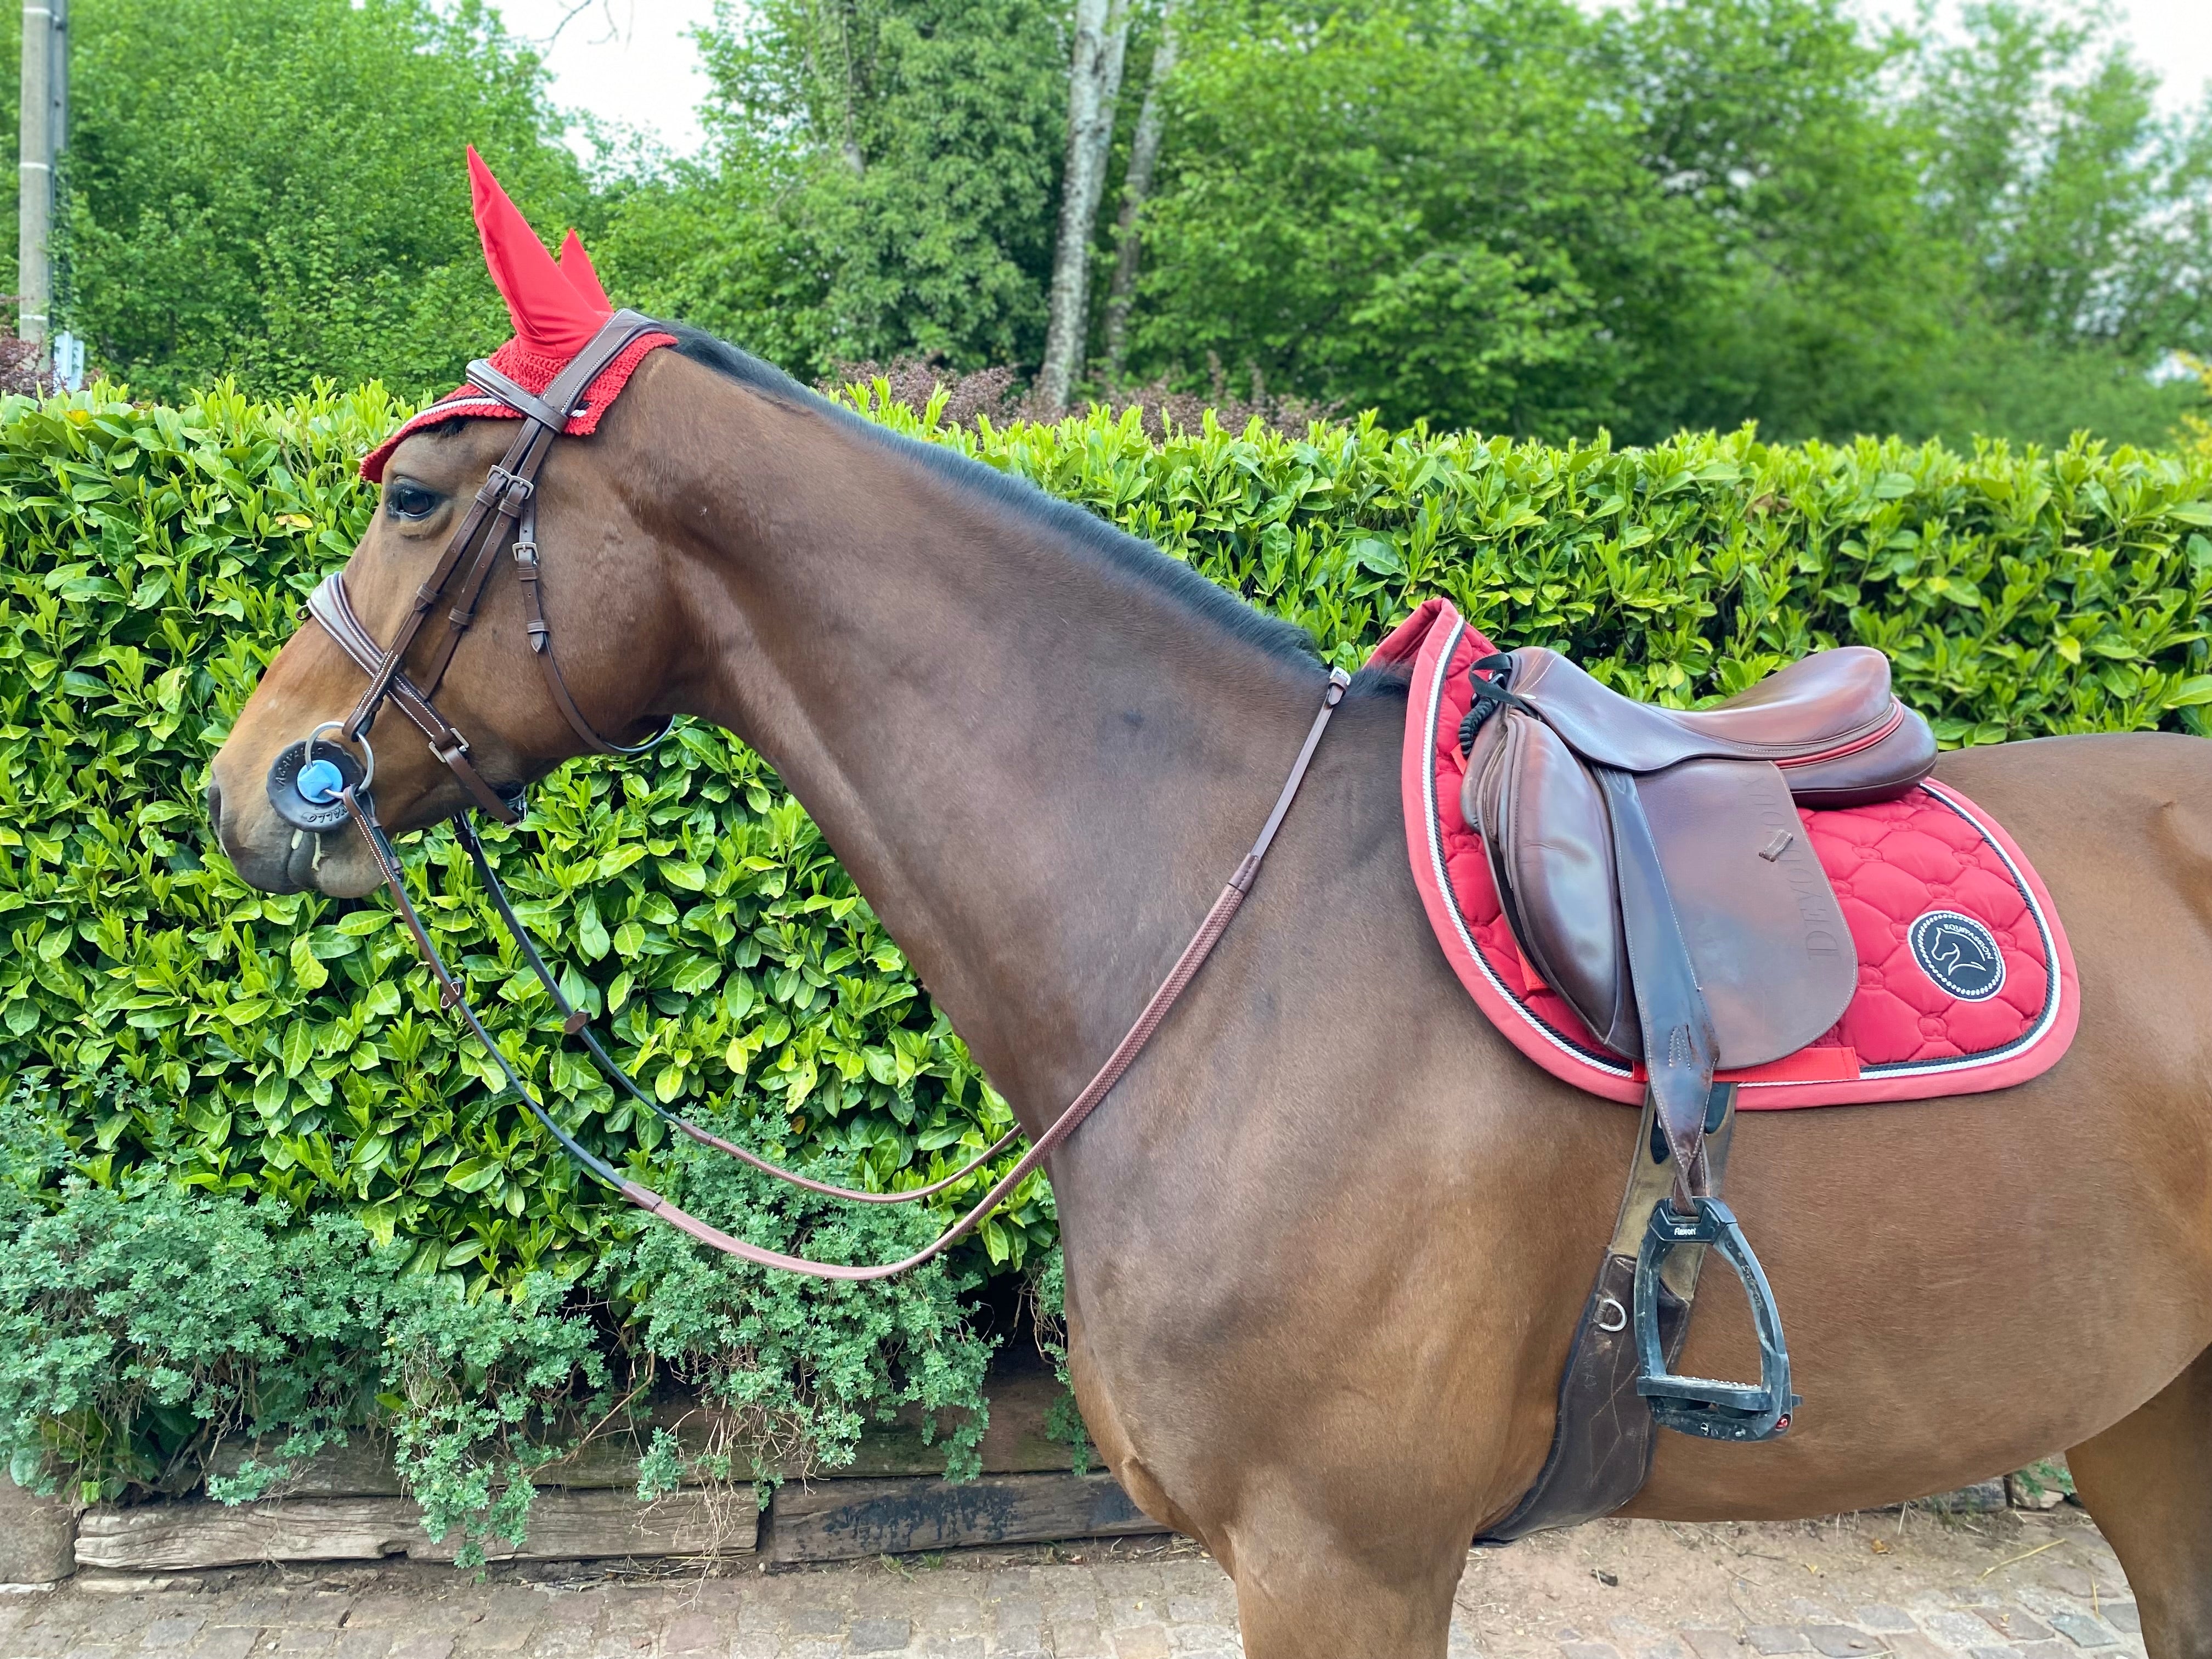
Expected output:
{"points": [[509, 493]]}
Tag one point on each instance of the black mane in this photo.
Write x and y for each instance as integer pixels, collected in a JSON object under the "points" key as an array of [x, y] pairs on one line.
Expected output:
{"points": [[1084, 531]]}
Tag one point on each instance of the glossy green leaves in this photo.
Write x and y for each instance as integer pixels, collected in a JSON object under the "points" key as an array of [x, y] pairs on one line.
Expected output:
{"points": [[291, 1048]]}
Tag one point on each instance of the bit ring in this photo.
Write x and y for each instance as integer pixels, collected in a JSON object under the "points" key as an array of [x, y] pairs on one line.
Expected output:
{"points": [[368, 754]]}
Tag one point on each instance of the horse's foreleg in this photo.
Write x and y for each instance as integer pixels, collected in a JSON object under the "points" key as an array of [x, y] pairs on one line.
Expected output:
{"points": [[1307, 1591], [2148, 1480]]}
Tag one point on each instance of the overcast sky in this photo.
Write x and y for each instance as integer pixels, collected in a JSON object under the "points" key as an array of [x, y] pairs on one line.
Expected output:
{"points": [[632, 61]]}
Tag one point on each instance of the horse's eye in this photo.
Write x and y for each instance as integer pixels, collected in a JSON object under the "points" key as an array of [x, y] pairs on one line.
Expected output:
{"points": [[409, 501]]}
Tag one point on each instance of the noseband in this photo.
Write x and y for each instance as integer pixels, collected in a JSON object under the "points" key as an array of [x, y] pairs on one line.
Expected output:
{"points": [[316, 786]]}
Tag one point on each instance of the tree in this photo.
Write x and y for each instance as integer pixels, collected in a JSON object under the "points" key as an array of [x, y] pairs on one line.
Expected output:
{"points": [[2086, 217], [1993, 233], [884, 182], [1417, 207], [1820, 305], [274, 189], [1506, 214], [1136, 188], [1094, 88]]}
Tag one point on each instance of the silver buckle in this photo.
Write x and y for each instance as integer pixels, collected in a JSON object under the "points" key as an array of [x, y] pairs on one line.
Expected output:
{"points": [[509, 483]]}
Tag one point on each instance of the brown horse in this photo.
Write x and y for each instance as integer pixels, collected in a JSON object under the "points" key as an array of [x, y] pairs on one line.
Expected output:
{"points": [[1328, 1241]]}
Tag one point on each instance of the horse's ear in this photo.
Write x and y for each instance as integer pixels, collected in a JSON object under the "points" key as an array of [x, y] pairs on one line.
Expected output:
{"points": [[552, 318], [576, 266]]}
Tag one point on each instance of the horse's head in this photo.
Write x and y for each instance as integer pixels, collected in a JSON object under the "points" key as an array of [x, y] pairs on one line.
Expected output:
{"points": [[609, 611]]}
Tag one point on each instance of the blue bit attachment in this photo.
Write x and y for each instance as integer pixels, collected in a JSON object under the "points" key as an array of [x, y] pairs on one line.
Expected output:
{"points": [[307, 781], [319, 781]]}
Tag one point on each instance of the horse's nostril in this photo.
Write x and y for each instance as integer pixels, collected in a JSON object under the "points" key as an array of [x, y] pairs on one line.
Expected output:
{"points": [[214, 806]]}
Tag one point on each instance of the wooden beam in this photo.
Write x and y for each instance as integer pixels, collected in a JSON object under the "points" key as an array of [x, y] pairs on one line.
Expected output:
{"points": [[839, 1520], [564, 1526]]}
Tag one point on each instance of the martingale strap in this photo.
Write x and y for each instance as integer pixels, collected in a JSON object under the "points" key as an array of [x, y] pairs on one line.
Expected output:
{"points": [[1194, 954]]}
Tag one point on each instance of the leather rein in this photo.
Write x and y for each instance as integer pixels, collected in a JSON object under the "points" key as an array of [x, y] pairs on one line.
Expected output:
{"points": [[317, 786]]}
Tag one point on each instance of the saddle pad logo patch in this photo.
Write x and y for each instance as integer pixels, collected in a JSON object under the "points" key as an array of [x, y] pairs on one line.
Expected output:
{"points": [[1959, 953]]}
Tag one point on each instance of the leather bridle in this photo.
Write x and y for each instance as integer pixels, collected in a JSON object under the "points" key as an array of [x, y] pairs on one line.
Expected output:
{"points": [[503, 515], [317, 786]]}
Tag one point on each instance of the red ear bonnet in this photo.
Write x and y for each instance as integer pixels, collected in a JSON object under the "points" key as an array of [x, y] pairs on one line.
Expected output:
{"points": [[552, 316], [576, 266], [556, 308]]}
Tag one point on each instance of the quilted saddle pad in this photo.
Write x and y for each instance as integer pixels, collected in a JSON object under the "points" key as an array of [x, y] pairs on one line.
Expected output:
{"points": [[1966, 982]]}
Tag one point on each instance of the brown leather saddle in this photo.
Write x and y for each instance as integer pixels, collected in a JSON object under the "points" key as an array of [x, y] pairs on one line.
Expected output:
{"points": [[1656, 874]]}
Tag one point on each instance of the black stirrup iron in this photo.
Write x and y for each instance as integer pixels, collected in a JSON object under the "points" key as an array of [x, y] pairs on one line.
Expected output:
{"points": [[1710, 1409]]}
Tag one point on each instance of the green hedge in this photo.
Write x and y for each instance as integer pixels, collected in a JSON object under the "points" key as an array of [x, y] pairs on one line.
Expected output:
{"points": [[162, 1027], [287, 1047]]}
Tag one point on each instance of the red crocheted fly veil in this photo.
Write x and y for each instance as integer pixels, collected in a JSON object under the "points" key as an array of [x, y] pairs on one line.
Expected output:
{"points": [[556, 307]]}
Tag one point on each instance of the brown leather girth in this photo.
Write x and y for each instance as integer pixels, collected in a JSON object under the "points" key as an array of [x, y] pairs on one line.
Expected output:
{"points": [[1601, 1442]]}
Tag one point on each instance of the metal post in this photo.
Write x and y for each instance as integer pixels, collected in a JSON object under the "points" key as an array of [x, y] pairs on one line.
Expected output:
{"points": [[58, 294], [35, 174]]}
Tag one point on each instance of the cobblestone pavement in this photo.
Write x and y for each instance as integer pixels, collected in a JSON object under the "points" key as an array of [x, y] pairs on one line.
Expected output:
{"points": [[2004, 1586]]}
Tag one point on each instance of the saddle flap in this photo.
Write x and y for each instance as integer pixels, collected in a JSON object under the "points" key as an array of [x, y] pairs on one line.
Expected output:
{"points": [[1544, 824], [1772, 951]]}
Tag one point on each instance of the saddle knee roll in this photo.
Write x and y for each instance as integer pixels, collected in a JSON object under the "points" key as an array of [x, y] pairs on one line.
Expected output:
{"points": [[1544, 824]]}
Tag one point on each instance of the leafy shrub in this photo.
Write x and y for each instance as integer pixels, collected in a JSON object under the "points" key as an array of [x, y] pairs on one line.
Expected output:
{"points": [[244, 1070], [290, 1047], [799, 1366], [141, 1330]]}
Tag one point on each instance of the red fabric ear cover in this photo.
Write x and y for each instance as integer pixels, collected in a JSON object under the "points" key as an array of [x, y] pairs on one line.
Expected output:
{"points": [[576, 266], [553, 315], [556, 308]]}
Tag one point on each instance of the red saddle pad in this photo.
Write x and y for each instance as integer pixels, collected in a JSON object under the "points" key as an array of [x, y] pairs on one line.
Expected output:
{"points": [[1965, 982]]}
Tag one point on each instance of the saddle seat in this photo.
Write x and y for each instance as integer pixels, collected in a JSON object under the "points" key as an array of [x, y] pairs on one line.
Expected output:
{"points": [[1651, 861], [1829, 720]]}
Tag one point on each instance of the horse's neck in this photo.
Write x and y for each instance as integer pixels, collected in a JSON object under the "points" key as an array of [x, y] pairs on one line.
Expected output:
{"points": [[1039, 765]]}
